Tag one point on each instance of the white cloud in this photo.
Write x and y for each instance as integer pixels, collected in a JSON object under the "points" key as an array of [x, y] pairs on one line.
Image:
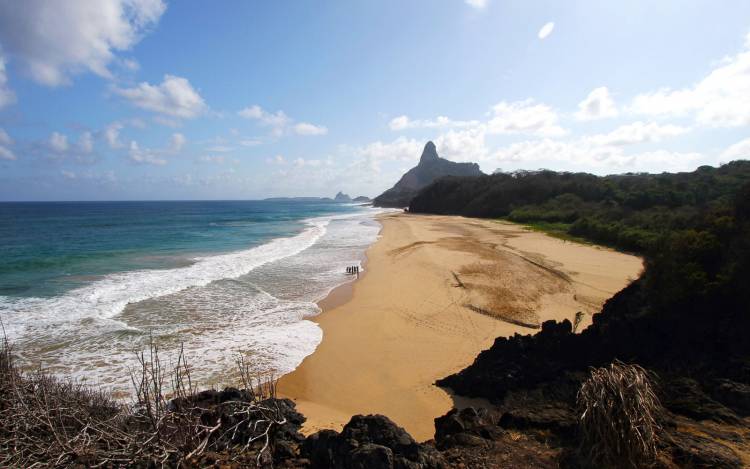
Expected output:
{"points": [[130, 64], [400, 123], [597, 105], [478, 4], [6, 94], [174, 97], [583, 155], [525, 117], [280, 123], [68, 174], [86, 142], [220, 149], [58, 142], [5, 138], [252, 112], [177, 142], [720, 99], [311, 163], [518, 117], [637, 132], [250, 142], [6, 154], [144, 156], [304, 128], [401, 149], [59, 147], [278, 159], [273, 119], [740, 150], [462, 145], [404, 122], [112, 135], [215, 159], [546, 30], [55, 40]]}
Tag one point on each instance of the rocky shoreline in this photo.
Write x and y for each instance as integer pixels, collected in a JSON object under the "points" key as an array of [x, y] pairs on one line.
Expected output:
{"points": [[468, 438]]}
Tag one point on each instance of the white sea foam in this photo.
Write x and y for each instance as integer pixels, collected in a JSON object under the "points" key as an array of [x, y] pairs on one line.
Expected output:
{"points": [[106, 298], [253, 302]]}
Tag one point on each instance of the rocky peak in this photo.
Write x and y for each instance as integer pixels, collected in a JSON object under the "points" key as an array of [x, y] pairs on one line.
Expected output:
{"points": [[429, 153], [341, 197], [430, 168]]}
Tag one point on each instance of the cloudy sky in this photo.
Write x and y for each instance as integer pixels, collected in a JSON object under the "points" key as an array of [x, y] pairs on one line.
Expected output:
{"points": [[148, 99]]}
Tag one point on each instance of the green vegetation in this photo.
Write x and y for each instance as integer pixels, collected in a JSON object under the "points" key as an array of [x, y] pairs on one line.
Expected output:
{"points": [[630, 211], [693, 230], [556, 230]]}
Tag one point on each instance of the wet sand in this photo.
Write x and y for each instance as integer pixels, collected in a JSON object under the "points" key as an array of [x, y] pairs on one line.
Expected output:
{"points": [[437, 291]]}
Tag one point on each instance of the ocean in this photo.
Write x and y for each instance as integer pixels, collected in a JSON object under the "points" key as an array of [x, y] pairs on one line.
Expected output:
{"points": [[85, 285]]}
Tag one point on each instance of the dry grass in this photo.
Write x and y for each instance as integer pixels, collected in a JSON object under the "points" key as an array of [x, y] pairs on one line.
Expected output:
{"points": [[49, 422], [619, 417]]}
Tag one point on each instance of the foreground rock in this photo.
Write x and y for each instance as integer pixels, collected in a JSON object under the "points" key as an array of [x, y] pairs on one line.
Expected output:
{"points": [[371, 441]]}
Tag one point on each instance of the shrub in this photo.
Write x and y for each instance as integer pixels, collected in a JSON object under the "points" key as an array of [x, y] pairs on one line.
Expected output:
{"points": [[619, 417], [50, 422]]}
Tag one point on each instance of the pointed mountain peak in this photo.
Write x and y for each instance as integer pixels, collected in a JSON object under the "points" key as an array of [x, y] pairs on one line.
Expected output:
{"points": [[341, 197], [429, 153]]}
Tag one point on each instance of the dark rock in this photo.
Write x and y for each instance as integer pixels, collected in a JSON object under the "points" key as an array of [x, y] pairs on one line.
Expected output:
{"points": [[694, 451], [320, 448], [685, 396], [465, 439], [521, 362], [284, 449], [554, 416], [430, 168], [733, 395], [377, 429], [364, 440], [341, 197], [466, 427], [370, 456]]}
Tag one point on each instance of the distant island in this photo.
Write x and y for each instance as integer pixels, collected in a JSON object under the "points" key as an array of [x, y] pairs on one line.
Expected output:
{"points": [[340, 197]]}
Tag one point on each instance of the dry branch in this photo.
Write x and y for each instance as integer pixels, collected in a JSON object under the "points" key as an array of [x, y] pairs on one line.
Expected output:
{"points": [[49, 422]]}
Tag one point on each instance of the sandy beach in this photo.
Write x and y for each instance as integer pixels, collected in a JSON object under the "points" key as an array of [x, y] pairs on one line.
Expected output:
{"points": [[437, 291]]}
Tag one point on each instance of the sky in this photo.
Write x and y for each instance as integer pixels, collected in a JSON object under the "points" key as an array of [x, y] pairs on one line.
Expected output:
{"points": [[157, 100]]}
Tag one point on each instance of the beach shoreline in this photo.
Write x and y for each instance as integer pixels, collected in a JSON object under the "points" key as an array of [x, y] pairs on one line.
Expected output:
{"points": [[412, 318]]}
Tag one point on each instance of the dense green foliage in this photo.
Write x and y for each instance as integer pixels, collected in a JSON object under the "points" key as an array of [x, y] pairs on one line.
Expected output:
{"points": [[693, 229], [687, 316], [630, 211]]}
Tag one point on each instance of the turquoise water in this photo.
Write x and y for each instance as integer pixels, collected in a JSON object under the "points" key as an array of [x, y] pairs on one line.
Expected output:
{"points": [[82, 285], [47, 248]]}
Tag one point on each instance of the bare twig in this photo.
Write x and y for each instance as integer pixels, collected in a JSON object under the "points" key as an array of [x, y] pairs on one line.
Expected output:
{"points": [[46, 421]]}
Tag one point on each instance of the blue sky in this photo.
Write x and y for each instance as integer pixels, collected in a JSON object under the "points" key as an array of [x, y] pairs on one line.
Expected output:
{"points": [[146, 99]]}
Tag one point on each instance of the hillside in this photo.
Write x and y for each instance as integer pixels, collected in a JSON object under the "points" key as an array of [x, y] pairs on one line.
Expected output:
{"points": [[627, 211], [430, 168]]}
